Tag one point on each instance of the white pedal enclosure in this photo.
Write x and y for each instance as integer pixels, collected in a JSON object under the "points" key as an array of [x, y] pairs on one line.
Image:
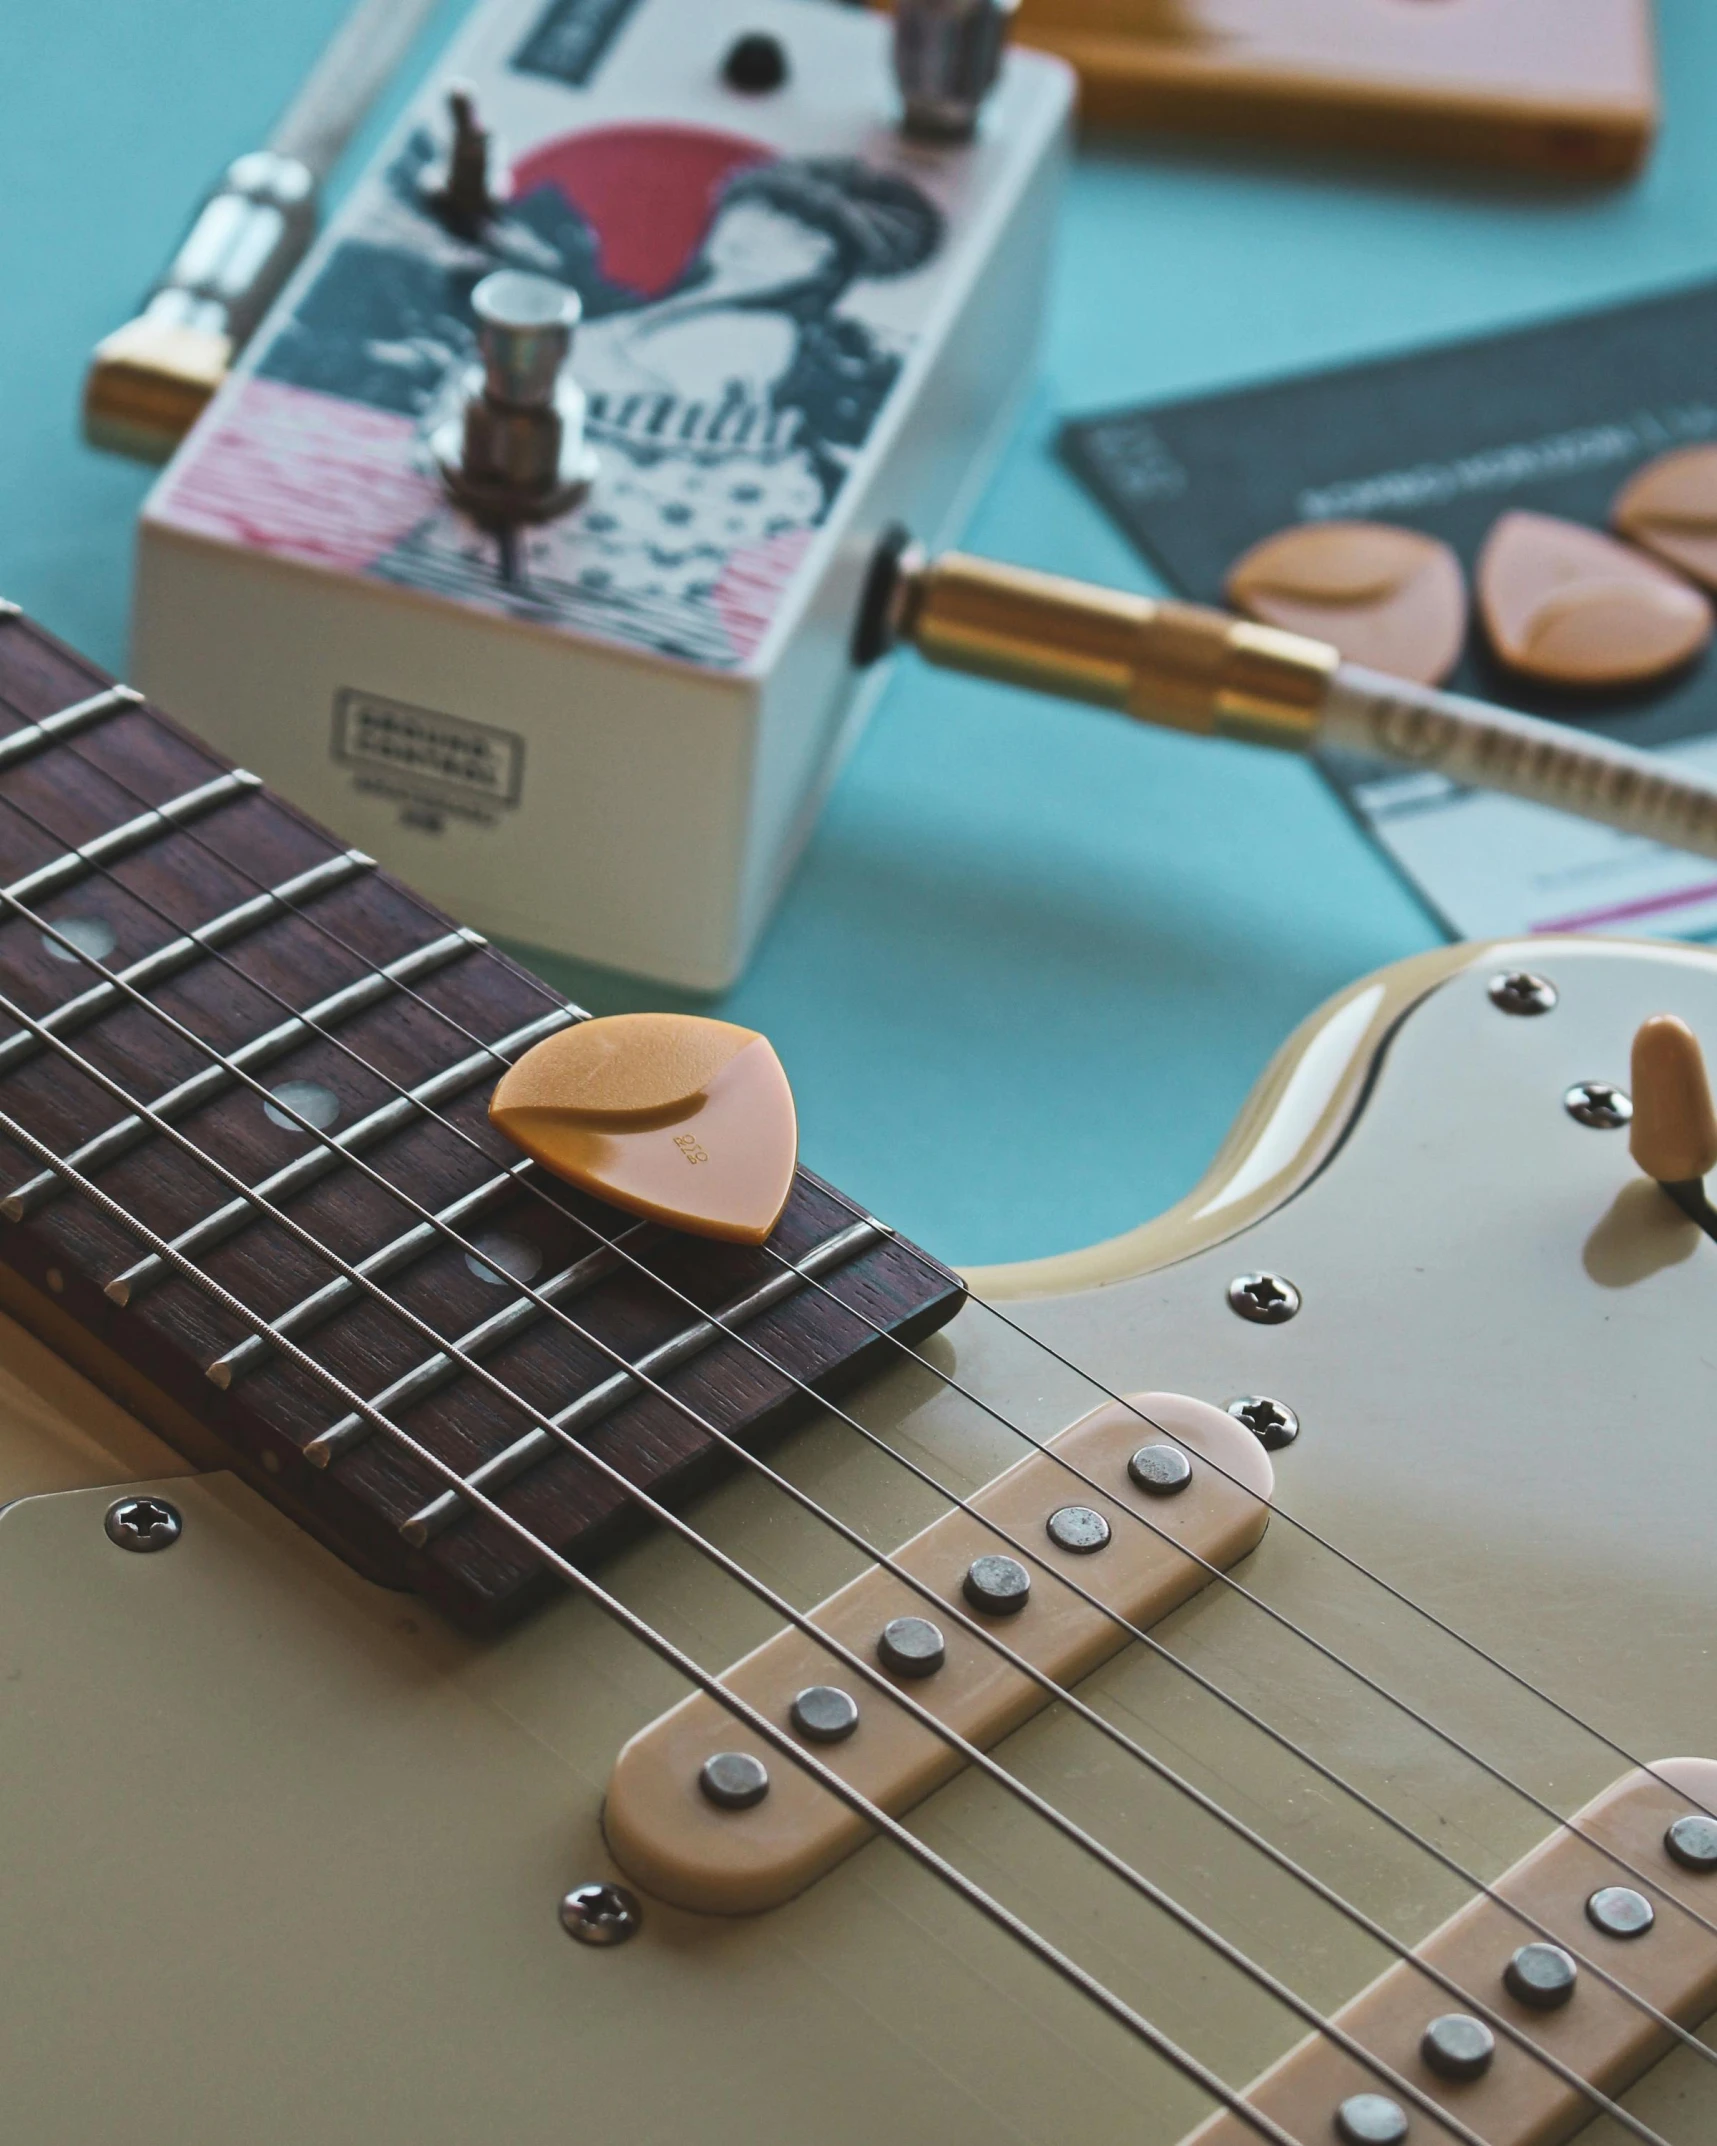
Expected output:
{"points": [[799, 326]]}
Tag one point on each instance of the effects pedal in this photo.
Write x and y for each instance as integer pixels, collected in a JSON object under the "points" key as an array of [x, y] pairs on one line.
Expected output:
{"points": [[524, 543]]}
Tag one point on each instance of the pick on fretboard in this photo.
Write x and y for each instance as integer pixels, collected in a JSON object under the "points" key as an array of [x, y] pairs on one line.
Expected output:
{"points": [[192, 883]]}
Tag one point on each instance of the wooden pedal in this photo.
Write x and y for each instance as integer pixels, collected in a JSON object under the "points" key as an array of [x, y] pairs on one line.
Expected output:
{"points": [[1654, 1823], [704, 1813]]}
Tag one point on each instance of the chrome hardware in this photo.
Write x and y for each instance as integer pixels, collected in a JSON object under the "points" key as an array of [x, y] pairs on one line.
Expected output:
{"points": [[734, 1780], [911, 1647], [1273, 1423], [947, 55], [1597, 1104], [1619, 1911], [514, 449], [601, 1914], [1265, 1299], [143, 1524], [1519, 991], [1371, 2120], [824, 1714], [1542, 1976], [1000, 1586], [1079, 1529], [1692, 1842], [1160, 1471], [1458, 2047]]}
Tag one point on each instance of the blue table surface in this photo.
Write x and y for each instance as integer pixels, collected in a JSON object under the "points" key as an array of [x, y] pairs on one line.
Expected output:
{"points": [[1034, 958]]}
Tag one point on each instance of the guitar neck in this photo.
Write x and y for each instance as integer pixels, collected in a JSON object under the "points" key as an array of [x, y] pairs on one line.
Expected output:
{"points": [[267, 1052]]}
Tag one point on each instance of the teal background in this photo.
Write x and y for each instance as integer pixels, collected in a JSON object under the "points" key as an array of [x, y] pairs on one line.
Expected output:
{"points": [[1034, 958]]}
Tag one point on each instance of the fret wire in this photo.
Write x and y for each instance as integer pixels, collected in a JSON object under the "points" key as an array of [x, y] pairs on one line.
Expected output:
{"points": [[602, 1399], [1002, 1917], [970, 1753], [333, 1149], [200, 1088], [179, 953], [34, 737], [745, 1342], [501, 1326], [1227, 1579], [80, 859], [483, 1339], [781, 1739], [1337, 1780], [311, 1311]]}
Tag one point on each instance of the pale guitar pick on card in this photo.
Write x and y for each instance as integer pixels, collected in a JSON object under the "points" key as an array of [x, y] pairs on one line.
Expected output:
{"points": [[680, 1119], [1390, 598], [1573, 607]]}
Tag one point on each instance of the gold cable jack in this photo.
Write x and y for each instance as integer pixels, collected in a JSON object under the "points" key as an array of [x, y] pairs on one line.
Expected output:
{"points": [[1193, 668]]}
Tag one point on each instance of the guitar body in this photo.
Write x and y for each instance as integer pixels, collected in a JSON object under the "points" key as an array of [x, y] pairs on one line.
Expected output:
{"points": [[283, 1854]]}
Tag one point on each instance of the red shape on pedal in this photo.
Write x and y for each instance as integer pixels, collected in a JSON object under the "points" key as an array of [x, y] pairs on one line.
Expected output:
{"points": [[648, 192]]}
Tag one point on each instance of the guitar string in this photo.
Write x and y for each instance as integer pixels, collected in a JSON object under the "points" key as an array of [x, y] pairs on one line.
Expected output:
{"points": [[1257, 1722], [1010, 1784], [539, 1195], [986, 1638], [949, 1874], [1336, 1780]]}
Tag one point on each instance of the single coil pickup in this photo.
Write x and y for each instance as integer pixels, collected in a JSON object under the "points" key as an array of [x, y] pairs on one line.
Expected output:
{"points": [[1613, 1892], [686, 1816]]}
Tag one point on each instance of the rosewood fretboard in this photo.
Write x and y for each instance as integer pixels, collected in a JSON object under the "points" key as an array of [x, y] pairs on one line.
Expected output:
{"points": [[297, 962]]}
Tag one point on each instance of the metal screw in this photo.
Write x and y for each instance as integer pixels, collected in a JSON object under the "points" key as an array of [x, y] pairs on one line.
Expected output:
{"points": [[143, 1524], [1266, 1299], [997, 1585], [1457, 2047], [734, 1780], [1160, 1471], [1079, 1529], [912, 1647], [824, 1714], [1521, 992], [1597, 1104], [1619, 1911], [1692, 1842], [601, 1914], [1272, 1423], [1371, 2120], [1542, 1976]]}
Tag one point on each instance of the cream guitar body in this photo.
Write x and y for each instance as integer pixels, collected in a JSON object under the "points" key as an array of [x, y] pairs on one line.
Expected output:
{"points": [[284, 1856]]}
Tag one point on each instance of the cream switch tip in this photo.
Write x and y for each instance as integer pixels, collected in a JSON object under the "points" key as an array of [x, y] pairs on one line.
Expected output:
{"points": [[1674, 1136]]}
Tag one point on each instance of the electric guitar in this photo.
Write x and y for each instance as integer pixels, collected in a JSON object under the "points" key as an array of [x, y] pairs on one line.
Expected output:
{"points": [[479, 1662]]}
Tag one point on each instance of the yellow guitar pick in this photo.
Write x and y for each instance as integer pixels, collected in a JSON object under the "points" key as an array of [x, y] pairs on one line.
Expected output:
{"points": [[682, 1120]]}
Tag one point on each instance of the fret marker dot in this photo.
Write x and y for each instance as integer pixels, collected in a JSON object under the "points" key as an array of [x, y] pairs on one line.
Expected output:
{"points": [[93, 936], [318, 1105], [505, 1259]]}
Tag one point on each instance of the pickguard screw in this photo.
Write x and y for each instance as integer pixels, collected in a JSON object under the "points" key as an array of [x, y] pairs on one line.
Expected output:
{"points": [[1521, 992], [601, 1914], [1272, 1423], [143, 1524], [1597, 1104], [1265, 1299]]}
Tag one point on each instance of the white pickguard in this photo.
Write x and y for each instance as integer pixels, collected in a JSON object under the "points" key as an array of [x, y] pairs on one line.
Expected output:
{"points": [[283, 1857]]}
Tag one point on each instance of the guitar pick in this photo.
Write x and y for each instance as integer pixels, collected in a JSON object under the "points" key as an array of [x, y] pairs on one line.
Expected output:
{"points": [[1573, 607], [1393, 599], [1670, 507], [679, 1119]]}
